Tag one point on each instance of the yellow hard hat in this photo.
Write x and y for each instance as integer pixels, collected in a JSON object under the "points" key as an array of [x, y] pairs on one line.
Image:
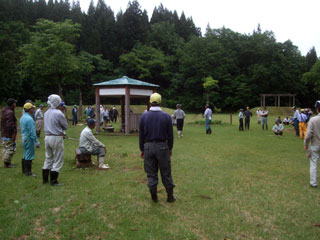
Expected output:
{"points": [[28, 106], [155, 98]]}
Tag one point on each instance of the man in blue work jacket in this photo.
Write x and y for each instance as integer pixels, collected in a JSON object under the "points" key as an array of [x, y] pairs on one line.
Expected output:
{"points": [[156, 143], [29, 138]]}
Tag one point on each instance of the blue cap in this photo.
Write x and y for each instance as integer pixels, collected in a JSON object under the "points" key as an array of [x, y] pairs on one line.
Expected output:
{"points": [[63, 105], [91, 121]]}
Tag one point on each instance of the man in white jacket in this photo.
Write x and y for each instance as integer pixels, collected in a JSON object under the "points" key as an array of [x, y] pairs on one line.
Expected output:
{"points": [[88, 144]]}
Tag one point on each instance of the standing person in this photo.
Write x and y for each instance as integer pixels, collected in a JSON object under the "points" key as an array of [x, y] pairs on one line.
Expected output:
{"points": [[259, 113], [88, 144], [303, 118], [39, 119], [156, 143], [29, 138], [54, 125], [278, 128], [179, 115], [264, 115], [8, 132], [208, 115], [105, 116], [74, 115], [114, 114], [296, 120], [313, 137], [241, 117], [248, 115], [111, 114]]}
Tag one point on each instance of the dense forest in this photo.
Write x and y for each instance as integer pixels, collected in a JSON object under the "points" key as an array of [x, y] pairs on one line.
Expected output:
{"points": [[55, 47]]}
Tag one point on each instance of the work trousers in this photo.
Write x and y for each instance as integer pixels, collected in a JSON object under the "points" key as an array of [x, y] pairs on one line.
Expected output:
{"points": [[241, 124], [315, 154], [208, 124], [302, 129], [8, 150], [39, 123], [264, 123], [180, 124], [74, 119], [98, 151], [247, 123], [157, 155], [54, 153], [296, 126]]}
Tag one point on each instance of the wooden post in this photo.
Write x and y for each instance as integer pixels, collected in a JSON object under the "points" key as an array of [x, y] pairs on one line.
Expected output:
{"points": [[123, 121], [278, 100], [98, 110], [294, 102], [231, 118], [275, 101], [127, 110]]}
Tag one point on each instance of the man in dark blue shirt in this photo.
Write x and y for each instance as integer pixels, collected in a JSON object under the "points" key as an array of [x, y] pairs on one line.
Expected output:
{"points": [[156, 143]]}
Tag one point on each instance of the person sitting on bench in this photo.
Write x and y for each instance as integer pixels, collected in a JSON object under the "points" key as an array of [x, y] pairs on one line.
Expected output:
{"points": [[88, 144]]}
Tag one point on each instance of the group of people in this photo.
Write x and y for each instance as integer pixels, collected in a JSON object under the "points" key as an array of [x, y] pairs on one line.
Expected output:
{"points": [[55, 125], [300, 120]]}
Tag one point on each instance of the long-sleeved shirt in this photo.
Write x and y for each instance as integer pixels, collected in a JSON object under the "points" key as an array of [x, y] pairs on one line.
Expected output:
{"points": [[179, 114], [247, 114], [278, 128], [28, 129], [208, 113], [313, 132], [54, 122], [296, 114], [241, 116], [8, 123], [88, 141], [302, 117], [38, 115], [155, 125]]}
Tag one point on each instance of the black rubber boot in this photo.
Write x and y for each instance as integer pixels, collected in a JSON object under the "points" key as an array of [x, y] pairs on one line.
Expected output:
{"points": [[154, 195], [54, 179], [170, 198], [9, 165], [38, 134], [28, 166], [45, 176], [23, 165]]}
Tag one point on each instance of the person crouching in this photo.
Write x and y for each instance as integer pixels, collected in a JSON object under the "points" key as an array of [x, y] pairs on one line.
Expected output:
{"points": [[88, 144], [278, 128]]}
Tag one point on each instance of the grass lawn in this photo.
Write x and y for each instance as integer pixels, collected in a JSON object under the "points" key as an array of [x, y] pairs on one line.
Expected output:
{"points": [[229, 185]]}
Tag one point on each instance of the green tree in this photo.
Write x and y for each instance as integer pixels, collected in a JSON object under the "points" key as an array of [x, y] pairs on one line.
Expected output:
{"points": [[50, 54], [209, 84]]}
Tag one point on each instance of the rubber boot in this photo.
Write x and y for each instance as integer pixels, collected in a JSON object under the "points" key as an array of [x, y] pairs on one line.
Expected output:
{"points": [[23, 165], [38, 134], [101, 163], [28, 166], [170, 198], [54, 179], [9, 165], [179, 134], [154, 195], [45, 176]]}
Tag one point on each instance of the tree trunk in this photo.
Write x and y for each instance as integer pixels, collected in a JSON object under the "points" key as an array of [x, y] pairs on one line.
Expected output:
{"points": [[207, 94], [80, 104]]}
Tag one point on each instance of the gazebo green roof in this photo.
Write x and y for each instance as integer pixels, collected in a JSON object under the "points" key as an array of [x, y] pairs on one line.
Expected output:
{"points": [[126, 81]]}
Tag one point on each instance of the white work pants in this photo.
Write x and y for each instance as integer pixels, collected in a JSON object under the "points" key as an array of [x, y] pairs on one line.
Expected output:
{"points": [[54, 153], [315, 154]]}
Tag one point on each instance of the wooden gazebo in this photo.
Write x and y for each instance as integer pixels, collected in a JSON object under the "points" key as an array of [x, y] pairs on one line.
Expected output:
{"points": [[277, 98], [124, 88]]}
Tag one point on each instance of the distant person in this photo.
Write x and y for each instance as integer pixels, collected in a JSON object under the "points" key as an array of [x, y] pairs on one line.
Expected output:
{"points": [[156, 143], [241, 117], [247, 114], [179, 115], [286, 121], [114, 114], [33, 114], [88, 144], [313, 137], [74, 115], [55, 124], [296, 120], [303, 118], [264, 115], [8, 132], [278, 128], [279, 119], [29, 139], [106, 118], [259, 113], [39, 119], [208, 116]]}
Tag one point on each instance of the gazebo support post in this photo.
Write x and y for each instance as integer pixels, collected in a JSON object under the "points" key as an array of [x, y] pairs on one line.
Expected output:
{"points": [[127, 110], [98, 110], [123, 120]]}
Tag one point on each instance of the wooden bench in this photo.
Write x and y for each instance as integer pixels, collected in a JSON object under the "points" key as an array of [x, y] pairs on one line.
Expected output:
{"points": [[83, 160], [108, 129]]}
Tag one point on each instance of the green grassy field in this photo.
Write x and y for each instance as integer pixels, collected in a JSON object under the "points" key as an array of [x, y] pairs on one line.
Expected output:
{"points": [[229, 185]]}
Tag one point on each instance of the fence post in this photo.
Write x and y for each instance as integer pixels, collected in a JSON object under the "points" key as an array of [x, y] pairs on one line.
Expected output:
{"points": [[231, 118]]}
